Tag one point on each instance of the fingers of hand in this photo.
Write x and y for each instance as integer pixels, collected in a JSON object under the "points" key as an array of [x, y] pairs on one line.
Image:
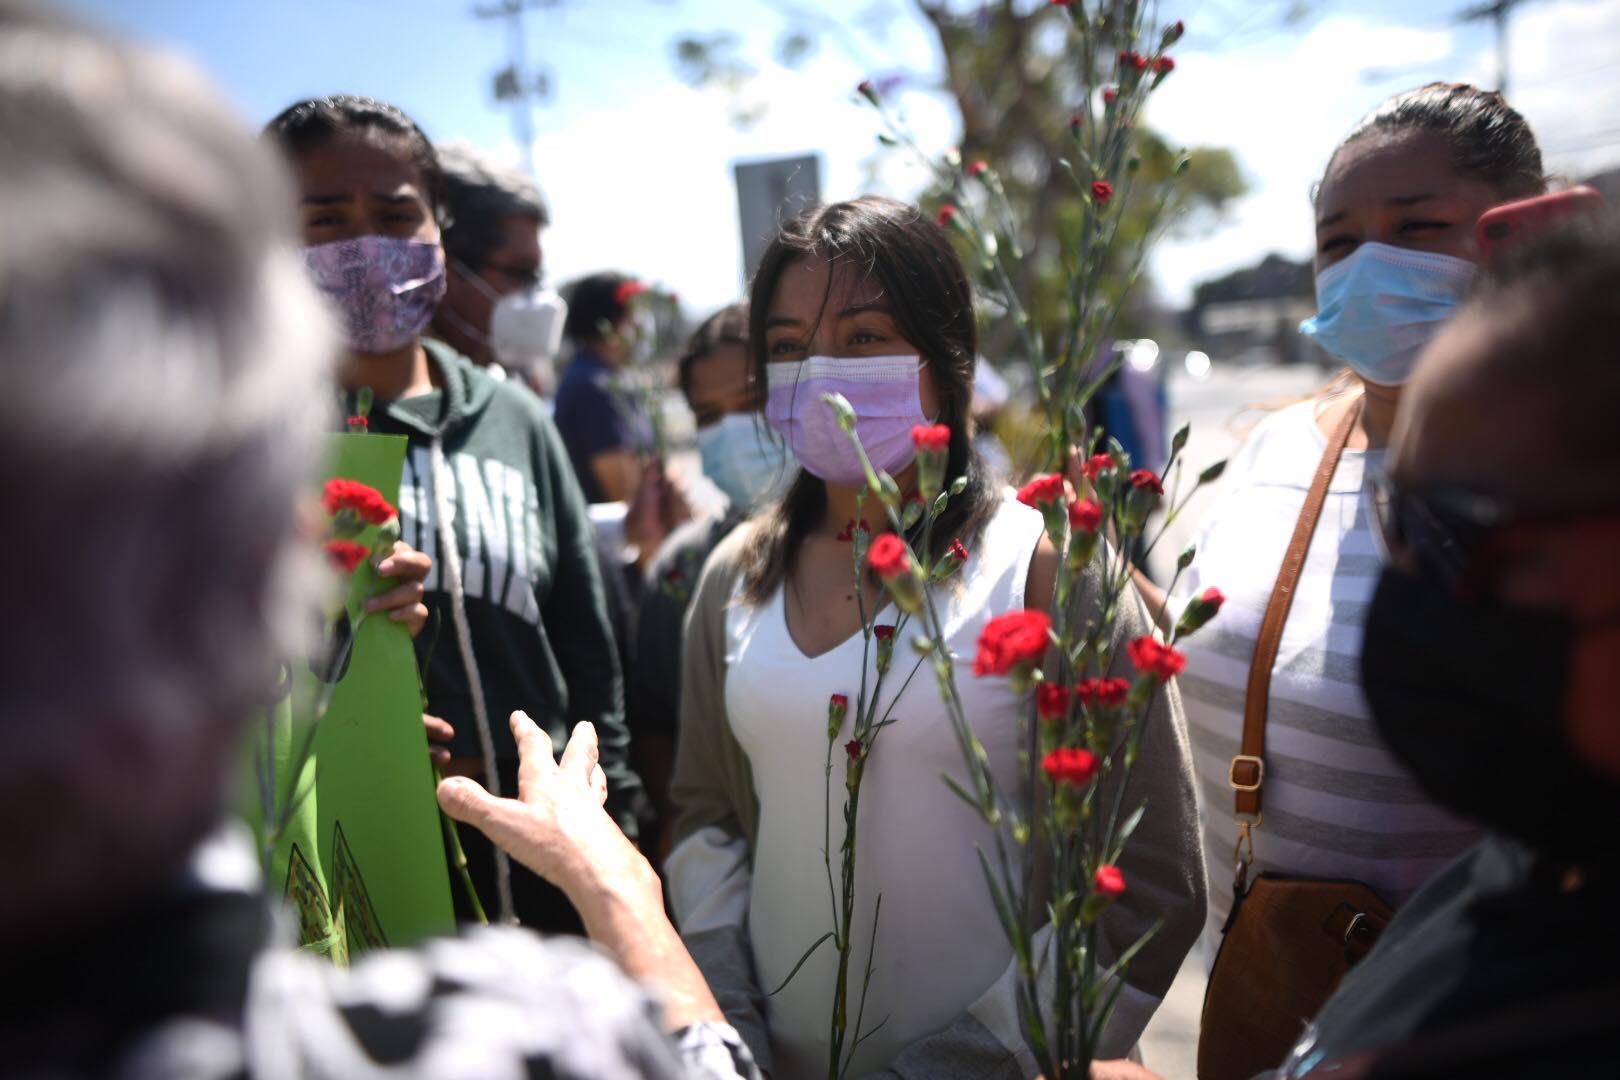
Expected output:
{"points": [[405, 595], [582, 752], [438, 729], [599, 784], [405, 562]]}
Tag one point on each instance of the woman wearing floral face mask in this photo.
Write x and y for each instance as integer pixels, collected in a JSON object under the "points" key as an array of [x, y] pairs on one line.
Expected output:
{"points": [[1395, 252], [487, 491], [868, 299]]}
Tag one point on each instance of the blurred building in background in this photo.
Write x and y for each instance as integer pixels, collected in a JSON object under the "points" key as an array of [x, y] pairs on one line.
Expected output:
{"points": [[1253, 315]]}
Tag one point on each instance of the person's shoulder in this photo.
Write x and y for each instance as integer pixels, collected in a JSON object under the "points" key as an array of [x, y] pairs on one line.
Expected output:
{"points": [[484, 992], [1284, 446]]}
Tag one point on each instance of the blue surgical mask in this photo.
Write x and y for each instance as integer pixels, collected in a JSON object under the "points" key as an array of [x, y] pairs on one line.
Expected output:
{"points": [[742, 459], [1379, 307]]}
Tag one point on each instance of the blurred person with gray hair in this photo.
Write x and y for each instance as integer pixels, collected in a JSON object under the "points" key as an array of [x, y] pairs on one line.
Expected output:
{"points": [[166, 361], [495, 311]]}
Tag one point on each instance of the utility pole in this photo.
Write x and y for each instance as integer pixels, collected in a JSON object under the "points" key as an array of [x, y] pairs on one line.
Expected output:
{"points": [[514, 85], [1497, 11]]}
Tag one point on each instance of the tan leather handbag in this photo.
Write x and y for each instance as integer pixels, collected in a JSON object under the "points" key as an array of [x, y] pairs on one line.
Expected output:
{"points": [[1288, 941]]}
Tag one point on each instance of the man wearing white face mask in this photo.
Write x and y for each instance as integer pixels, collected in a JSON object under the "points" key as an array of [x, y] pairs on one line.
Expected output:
{"points": [[494, 311], [749, 464]]}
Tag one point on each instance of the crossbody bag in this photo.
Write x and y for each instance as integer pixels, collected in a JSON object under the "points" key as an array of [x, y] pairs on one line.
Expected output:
{"points": [[1288, 940]]}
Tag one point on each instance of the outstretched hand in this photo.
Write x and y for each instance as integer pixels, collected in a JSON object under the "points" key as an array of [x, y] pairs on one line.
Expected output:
{"points": [[403, 602], [557, 826]]}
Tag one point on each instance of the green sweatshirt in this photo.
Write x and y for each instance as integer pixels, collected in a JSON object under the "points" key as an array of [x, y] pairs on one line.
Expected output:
{"points": [[533, 590]]}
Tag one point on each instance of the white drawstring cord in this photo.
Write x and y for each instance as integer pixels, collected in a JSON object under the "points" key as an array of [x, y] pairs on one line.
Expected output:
{"points": [[450, 559]]}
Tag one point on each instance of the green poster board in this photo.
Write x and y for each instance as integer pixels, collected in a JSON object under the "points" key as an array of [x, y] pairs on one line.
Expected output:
{"points": [[360, 859]]}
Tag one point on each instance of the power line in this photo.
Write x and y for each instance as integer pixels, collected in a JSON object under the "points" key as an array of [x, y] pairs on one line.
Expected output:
{"points": [[1497, 11]]}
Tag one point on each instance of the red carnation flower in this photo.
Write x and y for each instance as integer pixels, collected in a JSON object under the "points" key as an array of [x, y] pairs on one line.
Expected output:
{"points": [[628, 292], [366, 501], [1103, 692], [935, 438], [1070, 765], [1061, 3], [1133, 60], [1051, 701], [1146, 480], [1110, 94], [1108, 881], [853, 749], [1102, 190], [1095, 465], [1164, 65], [866, 89], [888, 557], [957, 551], [1153, 657], [1076, 122], [358, 424], [1018, 637], [883, 631], [1085, 516], [1213, 596], [1042, 490], [978, 168], [947, 214], [346, 554]]}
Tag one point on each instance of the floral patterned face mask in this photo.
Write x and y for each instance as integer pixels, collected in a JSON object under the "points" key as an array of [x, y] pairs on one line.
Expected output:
{"points": [[385, 287]]}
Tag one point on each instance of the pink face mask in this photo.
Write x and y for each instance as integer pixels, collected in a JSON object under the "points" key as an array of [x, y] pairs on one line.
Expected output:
{"points": [[884, 393], [385, 288]]}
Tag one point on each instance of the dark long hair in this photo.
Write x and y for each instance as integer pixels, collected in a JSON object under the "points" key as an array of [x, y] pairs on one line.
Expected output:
{"points": [[1488, 138], [928, 291]]}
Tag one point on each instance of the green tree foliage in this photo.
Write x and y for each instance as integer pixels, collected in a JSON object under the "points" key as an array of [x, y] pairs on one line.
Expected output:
{"points": [[1011, 71]]}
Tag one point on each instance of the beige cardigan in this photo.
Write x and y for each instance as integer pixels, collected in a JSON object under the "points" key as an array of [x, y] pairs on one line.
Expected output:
{"points": [[717, 818]]}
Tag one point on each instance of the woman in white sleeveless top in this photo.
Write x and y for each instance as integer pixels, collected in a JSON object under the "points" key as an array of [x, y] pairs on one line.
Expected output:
{"points": [[868, 298]]}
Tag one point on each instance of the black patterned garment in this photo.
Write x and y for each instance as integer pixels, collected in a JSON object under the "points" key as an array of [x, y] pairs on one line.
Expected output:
{"points": [[192, 984]]}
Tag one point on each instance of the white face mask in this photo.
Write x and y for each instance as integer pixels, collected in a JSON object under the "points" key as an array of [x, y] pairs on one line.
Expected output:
{"points": [[525, 327], [743, 460]]}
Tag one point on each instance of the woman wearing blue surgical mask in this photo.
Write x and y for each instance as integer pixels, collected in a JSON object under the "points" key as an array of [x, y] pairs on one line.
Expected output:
{"points": [[488, 490], [1395, 251], [867, 298], [749, 463]]}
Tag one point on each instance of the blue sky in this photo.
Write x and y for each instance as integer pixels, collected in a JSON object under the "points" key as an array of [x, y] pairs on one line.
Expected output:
{"points": [[637, 166]]}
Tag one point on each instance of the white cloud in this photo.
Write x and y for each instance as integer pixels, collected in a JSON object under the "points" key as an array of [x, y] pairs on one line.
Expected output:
{"points": [[1283, 105]]}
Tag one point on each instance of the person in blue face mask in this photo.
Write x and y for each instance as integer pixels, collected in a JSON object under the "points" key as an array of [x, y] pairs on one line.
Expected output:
{"points": [[1395, 251], [750, 465]]}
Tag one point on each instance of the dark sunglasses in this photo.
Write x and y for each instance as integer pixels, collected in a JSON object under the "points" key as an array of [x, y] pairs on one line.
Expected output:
{"points": [[1446, 534]]}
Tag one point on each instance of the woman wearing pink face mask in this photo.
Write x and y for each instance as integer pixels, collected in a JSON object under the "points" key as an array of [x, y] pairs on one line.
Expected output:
{"points": [[487, 490], [868, 299]]}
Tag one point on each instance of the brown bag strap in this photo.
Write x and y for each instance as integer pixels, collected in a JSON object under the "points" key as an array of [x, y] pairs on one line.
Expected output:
{"points": [[1248, 769]]}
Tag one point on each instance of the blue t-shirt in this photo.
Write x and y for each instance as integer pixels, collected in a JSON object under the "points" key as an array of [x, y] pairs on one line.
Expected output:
{"points": [[596, 417]]}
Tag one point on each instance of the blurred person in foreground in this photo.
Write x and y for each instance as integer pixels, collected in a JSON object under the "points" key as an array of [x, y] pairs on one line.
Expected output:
{"points": [[494, 311], [1492, 666], [487, 489], [166, 364], [749, 464]]}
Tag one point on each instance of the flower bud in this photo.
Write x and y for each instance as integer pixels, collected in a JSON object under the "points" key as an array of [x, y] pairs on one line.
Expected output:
{"points": [[1179, 441], [842, 410], [1213, 473], [1199, 611], [837, 709], [1186, 557], [867, 91], [950, 562], [1172, 34]]}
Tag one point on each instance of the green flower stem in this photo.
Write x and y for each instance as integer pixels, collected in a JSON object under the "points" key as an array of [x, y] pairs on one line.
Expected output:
{"points": [[458, 857]]}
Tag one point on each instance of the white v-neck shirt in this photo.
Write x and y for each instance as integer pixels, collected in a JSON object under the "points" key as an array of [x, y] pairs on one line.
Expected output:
{"points": [[939, 943]]}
